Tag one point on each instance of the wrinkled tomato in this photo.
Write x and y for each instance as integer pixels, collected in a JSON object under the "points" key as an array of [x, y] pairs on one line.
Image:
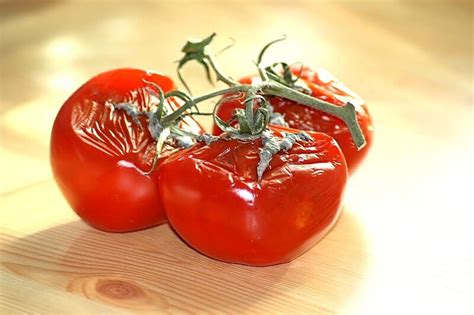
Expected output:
{"points": [[215, 202], [101, 158], [324, 87]]}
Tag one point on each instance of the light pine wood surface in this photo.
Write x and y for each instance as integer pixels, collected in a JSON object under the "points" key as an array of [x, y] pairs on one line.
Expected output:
{"points": [[404, 244]]}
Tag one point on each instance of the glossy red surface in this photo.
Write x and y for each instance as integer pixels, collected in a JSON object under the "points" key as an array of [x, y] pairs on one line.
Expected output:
{"points": [[214, 202], [325, 87], [100, 157]]}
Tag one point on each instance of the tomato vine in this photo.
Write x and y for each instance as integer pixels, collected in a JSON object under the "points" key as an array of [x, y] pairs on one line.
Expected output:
{"points": [[247, 123]]}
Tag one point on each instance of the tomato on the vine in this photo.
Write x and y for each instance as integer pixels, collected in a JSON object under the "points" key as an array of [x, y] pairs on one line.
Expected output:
{"points": [[322, 85], [102, 158], [215, 202]]}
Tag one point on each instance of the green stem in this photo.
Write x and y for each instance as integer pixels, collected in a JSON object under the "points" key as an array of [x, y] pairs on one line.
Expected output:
{"points": [[198, 51], [262, 72], [261, 69], [346, 113], [197, 114], [233, 89], [177, 113], [218, 71]]}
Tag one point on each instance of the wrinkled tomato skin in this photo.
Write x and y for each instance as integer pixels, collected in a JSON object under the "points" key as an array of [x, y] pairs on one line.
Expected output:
{"points": [[215, 203], [100, 157], [325, 87]]}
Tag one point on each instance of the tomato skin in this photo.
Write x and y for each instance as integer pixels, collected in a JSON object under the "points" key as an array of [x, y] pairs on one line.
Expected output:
{"points": [[215, 203], [325, 87], [100, 157]]}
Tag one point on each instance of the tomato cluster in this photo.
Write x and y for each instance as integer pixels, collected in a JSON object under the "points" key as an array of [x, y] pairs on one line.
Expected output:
{"points": [[105, 161]]}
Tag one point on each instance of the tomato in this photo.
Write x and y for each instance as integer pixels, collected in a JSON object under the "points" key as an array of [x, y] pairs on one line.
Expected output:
{"points": [[101, 157], [215, 202], [324, 87]]}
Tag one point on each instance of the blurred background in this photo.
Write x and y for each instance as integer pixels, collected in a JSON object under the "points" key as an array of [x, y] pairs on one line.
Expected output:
{"points": [[412, 61]]}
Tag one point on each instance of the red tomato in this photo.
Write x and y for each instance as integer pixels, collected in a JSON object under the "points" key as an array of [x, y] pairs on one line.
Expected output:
{"points": [[215, 203], [324, 87], [101, 158]]}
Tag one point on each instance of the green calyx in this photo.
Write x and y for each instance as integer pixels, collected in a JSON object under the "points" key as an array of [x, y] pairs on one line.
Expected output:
{"points": [[197, 50], [279, 71], [248, 123], [272, 145], [163, 126]]}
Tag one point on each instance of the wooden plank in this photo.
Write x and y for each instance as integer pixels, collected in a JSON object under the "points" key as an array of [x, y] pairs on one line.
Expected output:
{"points": [[404, 243], [19, 295], [153, 270]]}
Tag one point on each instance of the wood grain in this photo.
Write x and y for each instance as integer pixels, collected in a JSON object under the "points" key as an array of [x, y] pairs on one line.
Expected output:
{"points": [[153, 270], [404, 242]]}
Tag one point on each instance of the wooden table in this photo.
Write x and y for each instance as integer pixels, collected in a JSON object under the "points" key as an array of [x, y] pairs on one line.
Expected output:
{"points": [[404, 244]]}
